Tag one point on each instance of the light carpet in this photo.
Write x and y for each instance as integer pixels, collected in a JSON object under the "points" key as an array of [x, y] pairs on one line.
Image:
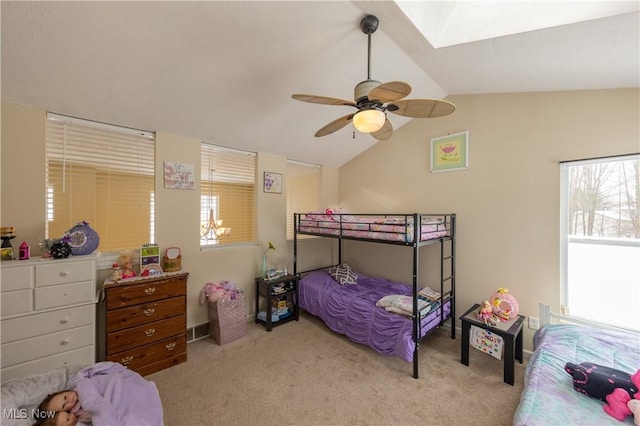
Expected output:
{"points": [[304, 374]]}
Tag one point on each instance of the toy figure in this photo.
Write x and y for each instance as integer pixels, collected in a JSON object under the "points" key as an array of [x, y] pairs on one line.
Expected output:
{"points": [[65, 402], [485, 314], [124, 260]]}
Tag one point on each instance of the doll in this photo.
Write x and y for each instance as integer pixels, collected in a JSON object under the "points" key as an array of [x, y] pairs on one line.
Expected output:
{"points": [[124, 260], [65, 402], [485, 314]]}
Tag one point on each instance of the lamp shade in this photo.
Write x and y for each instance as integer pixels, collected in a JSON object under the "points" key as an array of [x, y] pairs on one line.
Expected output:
{"points": [[369, 120]]}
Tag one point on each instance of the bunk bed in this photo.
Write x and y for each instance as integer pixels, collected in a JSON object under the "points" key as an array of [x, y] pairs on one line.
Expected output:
{"points": [[355, 310]]}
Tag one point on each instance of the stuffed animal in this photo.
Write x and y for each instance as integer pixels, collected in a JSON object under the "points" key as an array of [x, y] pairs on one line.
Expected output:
{"points": [[613, 387], [212, 292], [634, 407]]}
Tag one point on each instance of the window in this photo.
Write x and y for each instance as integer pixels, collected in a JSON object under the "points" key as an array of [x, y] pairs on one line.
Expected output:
{"points": [[303, 190], [101, 174], [227, 196], [600, 234]]}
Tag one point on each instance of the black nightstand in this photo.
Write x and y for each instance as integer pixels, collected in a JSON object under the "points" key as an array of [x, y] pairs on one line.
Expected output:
{"points": [[511, 332], [283, 288]]}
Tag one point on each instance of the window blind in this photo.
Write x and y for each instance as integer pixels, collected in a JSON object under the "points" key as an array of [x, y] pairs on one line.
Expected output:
{"points": [[303, 191], [227, 192], [102, 174]]}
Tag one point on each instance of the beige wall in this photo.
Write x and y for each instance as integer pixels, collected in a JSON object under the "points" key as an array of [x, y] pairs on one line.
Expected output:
{"points": [[507, 202], [177, 211]]}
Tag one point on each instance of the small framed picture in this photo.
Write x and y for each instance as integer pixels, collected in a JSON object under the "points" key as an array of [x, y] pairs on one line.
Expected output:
{"points": [[273, 182], [450, 152]]}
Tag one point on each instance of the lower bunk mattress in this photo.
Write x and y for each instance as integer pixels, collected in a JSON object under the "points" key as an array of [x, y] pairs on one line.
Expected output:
{"points": [[351, 310], [548, 397]]}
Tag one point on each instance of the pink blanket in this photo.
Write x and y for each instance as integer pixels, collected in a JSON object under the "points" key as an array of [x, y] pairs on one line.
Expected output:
{"points": [[115, 395]]}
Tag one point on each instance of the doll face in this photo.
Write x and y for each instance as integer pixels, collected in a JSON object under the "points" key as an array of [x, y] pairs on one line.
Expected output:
{"points": [[64, 418], [64, 401]]}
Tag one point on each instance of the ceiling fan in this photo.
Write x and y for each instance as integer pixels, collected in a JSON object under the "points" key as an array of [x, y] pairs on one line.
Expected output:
{"points": [[373, 99]]}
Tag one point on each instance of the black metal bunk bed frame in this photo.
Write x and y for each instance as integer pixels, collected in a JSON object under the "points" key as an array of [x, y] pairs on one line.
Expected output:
{"points": [[416, 243]]}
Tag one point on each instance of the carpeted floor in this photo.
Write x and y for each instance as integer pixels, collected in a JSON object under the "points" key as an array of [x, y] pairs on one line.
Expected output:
{"points": [[303, 374]]}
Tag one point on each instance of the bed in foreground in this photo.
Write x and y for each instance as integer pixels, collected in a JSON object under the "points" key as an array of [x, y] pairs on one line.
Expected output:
{"points": [[548, 397]]}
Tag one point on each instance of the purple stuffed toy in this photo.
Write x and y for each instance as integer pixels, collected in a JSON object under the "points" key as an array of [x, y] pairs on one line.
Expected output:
{"points": [[613, 387]]}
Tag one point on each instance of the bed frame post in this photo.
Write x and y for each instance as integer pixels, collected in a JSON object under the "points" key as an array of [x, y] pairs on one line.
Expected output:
{"points": [[296, 225], [452, 232], [416, 314]]}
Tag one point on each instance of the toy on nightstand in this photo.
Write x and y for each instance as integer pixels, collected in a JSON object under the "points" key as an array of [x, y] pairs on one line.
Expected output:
{"points": [[124, 261], [485, 314]]}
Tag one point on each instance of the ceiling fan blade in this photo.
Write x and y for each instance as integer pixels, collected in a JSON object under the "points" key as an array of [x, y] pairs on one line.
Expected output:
{"points": [[385, 131], [314, 99], [334, 125], [389, 92], [422, 108]]}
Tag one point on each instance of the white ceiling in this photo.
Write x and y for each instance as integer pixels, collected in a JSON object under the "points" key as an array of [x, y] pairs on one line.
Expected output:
{"points": [[224, 71]]}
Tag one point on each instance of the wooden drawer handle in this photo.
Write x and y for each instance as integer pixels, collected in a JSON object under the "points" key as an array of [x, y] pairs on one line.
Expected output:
{"points": [[150, 290], [149, 312], [150, 332], [171, 346], [126, 360]]}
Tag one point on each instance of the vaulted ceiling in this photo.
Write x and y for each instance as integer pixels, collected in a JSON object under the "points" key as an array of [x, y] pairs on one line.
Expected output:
{"points": [[224, 71]]}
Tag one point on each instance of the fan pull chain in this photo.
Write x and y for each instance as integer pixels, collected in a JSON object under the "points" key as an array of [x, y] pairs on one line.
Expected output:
{"points": [[369, 57]]}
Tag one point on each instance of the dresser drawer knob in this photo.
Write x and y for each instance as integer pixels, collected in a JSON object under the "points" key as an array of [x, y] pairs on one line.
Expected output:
{"points": [[126, 360], [64, 321], [64, 273], [171, 346], [149, 312], [64, 342], [150, 290], [150, 332]]}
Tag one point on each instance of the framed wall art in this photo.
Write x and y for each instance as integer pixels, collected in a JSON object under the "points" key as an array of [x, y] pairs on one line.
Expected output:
{"points": [[273, 182], [179, 175], [450, 152]]}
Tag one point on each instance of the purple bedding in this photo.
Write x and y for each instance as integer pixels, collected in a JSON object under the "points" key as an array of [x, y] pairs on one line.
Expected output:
{"points": [[351, 310], [115, 395], [548, 397]]}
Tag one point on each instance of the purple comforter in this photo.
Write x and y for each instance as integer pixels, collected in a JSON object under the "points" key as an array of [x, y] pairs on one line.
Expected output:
{"points": [[351, 310], [115, 395]]}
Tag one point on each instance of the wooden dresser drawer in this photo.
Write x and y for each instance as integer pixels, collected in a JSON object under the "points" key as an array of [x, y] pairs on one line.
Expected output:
{"points": [[16, 302], [64, 294], [49, 344], [54, 273], [149, 354], [48, 322], [82, 356], [145, 334], [16, 278], [145, 312], [133, 294]]}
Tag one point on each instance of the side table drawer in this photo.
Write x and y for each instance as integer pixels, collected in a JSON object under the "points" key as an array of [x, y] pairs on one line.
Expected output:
{"points": [[144, 313], [46, 323], [145, 334], [144, 292], [50, 344], [139, 357], [64, 294]]}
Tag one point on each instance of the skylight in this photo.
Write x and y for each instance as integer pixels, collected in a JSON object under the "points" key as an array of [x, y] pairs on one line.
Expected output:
{"points": [[447, 23]]}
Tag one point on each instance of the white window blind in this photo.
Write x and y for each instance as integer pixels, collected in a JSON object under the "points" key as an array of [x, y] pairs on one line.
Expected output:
{"points": [[227, 196], [303, 190], [102, 174]]}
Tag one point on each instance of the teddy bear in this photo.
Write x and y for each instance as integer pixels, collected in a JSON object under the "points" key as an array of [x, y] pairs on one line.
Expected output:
{"points": [[613, 387], [212, 292]]}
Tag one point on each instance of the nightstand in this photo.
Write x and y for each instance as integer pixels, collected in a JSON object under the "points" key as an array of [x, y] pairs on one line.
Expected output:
{"points": [[510, 331], [283, 289]]}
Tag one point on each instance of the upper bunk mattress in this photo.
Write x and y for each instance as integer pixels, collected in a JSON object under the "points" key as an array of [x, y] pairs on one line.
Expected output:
{"points": [[373, 227]]}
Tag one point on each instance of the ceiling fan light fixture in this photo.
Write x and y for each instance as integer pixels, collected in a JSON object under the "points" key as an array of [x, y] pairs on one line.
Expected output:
{"points": [[369, 120]]}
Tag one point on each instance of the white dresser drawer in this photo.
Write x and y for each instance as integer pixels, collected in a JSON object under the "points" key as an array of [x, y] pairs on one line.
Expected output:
{"points": [[50, 344], [17, 278], [45, 323], [64, 294], [83, 356], [16, 302], [53, 273]]}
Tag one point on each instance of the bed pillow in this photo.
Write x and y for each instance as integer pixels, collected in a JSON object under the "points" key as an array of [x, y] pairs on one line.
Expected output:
{"points": [[399, 301], [343, 274]]}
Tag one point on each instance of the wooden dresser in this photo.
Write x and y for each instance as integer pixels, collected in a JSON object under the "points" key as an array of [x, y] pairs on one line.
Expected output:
{"points": [[48, 314], [146, 322]]}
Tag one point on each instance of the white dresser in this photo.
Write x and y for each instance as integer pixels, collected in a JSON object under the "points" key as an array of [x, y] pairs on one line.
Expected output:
{"points": [[48, 315]]}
